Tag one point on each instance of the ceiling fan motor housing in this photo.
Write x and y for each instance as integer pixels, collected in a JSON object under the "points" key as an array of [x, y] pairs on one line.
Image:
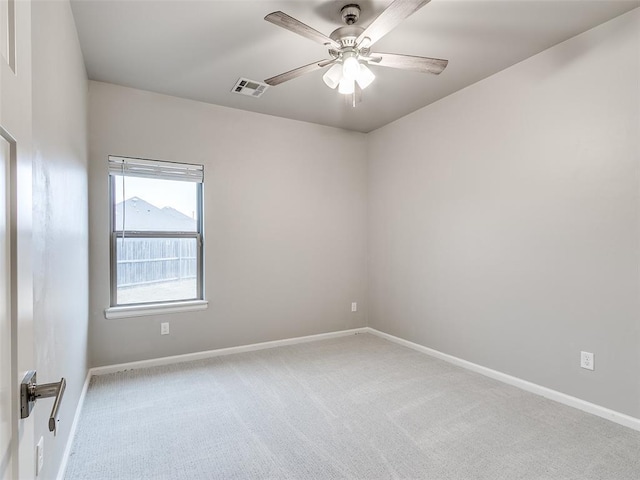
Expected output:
{"points": [[346, 35], [350, 13]]}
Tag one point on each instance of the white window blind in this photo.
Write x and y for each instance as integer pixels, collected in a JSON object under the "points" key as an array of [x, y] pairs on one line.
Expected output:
{"points": [[138, 167]]}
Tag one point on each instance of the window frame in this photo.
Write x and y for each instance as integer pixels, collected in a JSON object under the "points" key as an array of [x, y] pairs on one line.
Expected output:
{"points": [[116, 309]]}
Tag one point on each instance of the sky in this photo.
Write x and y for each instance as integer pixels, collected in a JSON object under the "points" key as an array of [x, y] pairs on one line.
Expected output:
{"points": [[161, 193]]}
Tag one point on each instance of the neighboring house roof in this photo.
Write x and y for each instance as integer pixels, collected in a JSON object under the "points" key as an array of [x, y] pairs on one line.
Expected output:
{"points": [[140, 215]]}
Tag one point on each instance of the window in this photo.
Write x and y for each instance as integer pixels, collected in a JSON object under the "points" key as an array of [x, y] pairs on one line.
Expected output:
{"points": [[156, 232]]}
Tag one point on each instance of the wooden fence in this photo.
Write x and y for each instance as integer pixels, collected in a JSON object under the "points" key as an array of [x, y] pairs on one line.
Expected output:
{"points": [[143, 261]]}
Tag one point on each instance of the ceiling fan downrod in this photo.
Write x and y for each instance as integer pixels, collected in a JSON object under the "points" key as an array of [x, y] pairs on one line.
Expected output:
{"points": [[350, 13]]}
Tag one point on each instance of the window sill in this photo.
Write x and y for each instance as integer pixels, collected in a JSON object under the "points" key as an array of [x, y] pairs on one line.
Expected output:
{"points": [[155, 309]]}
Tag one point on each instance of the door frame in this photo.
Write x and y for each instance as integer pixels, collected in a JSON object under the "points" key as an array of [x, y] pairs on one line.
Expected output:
{"points": [[16, 128]]}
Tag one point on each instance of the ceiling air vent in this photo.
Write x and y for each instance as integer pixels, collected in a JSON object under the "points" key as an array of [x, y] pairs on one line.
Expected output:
{"points": [[244, 86]]}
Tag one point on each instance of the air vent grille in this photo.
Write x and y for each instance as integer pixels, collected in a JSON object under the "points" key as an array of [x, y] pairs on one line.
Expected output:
{"points": [[251, 88]]}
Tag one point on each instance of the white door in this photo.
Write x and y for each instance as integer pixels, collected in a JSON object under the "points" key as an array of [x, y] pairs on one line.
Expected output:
{"points": [[16, 278]]}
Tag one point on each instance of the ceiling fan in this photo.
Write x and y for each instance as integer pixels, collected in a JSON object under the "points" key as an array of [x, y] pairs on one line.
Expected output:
{"points": [[350, 48]]}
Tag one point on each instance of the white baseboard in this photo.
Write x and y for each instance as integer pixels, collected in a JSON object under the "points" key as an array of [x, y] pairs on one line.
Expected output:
{"points": [[74, 426], [612, 415], [188, 357]]}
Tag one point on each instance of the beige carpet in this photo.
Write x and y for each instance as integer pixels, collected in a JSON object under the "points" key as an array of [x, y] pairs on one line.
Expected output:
{"points": [[353, 407]]}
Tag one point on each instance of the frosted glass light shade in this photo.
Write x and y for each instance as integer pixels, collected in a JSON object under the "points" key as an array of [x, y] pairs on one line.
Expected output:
{"points": [[350, 67], [347, 86], [333, 76], [365, 76]]}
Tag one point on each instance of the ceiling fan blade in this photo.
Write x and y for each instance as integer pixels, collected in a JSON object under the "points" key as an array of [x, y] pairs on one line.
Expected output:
{"points": [[327, 62], [296, 26], [388, 20], [409, 62], [297, 72]]}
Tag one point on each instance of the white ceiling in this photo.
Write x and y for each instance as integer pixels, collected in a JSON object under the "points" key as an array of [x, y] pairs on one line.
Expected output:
{"points": [[199, 49]]}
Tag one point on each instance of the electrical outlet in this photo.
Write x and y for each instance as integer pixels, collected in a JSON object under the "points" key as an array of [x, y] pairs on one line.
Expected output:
{"points": [[587, 360], [164, 328], [354, 306], [39, 456]]}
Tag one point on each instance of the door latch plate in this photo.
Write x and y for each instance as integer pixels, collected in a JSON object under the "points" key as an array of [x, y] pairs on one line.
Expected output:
{"points": [[27, 397]]}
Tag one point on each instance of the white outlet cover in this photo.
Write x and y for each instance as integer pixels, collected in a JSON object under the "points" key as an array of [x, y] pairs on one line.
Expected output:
{"points": [[354, 306], [164, 328], [587, 360], [39, 456]]}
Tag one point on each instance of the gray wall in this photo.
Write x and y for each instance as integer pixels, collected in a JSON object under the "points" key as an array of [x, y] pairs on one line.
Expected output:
{"points": [[285, 214], [60, 219], [504, 219]]}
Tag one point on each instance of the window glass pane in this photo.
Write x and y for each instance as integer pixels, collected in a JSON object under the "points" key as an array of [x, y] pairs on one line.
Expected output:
{"points": [[155, 205], [156, 269]]}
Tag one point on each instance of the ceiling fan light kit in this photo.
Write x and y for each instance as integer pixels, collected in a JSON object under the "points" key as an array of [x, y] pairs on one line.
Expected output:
{"points": [[365, 76], [333, 76], [343, 75], [350, 65], [350, 48]]}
